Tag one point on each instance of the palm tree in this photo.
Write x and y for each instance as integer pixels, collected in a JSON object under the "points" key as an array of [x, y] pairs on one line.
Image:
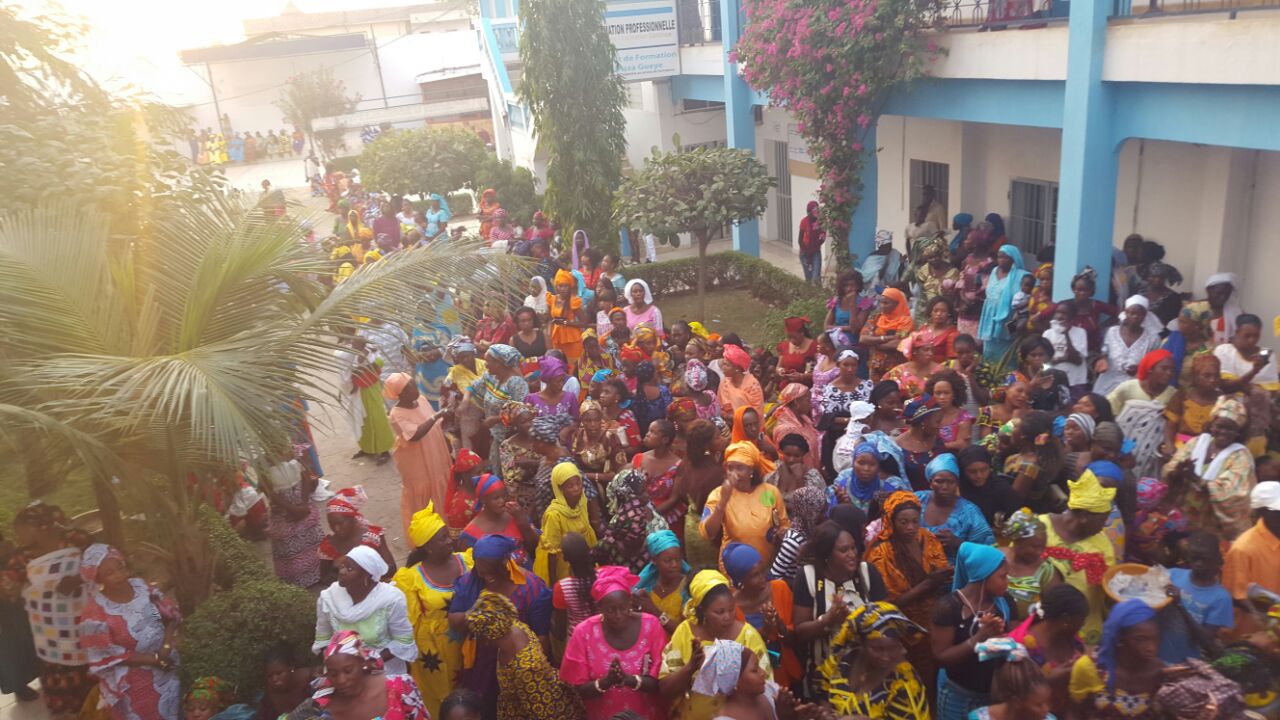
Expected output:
{"points": [[175, 354]]}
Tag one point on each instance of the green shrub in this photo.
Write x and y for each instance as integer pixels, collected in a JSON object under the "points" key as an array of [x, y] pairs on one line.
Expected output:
{"points": [[345, 164], [516, 186], [237, 559], [460, 204], [229, 633], [786, 293]]}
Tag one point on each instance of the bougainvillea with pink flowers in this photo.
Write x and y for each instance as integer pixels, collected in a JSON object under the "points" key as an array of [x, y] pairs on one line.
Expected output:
{"points": [[832, 64]]}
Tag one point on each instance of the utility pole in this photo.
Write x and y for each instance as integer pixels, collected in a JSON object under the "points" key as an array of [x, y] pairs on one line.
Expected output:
{"points": [[377, 64], [217, 111]]}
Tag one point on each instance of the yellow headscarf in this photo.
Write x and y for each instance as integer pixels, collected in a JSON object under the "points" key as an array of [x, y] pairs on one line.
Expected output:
{"points": [[747, 453], [567, 278], [1088, 494], [372, 256], [702, 583], [561, 474], [424, 525], [699, 330]]}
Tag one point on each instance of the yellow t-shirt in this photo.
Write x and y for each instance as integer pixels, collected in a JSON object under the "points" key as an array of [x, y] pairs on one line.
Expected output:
{"points": [[696, 706], [1092, 630]]}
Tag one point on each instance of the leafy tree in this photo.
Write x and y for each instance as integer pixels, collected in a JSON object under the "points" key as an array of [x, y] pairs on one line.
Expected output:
{"points": [[576, 99], [695, 192], [517, 188], [315, 94], [426, 160], [832, 64]]}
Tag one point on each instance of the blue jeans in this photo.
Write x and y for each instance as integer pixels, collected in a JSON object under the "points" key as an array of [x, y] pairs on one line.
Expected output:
{"points": [[812, 265]]}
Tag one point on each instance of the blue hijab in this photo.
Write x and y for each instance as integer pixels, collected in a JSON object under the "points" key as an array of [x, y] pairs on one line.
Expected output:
{"points": [[856, 488], [1122, 617], [739, 560], [963, 220], [946, 462], [657, 543], [996, 310], [975, 563]]}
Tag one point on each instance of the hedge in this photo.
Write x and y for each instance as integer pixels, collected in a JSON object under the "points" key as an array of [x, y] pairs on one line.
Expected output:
{"points": [[345, 164], [787, 294]]}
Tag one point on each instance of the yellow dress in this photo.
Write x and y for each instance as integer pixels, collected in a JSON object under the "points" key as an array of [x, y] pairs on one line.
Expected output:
{"points": [[549, 565], [439, 660], [696, 706], [1092, 630], [530, 689]]}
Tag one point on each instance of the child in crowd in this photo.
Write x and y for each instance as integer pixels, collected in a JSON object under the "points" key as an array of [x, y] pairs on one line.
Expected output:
{"points": [[1020, 687], [462, 704], [1201, 606], [1018, 317], [571, 596], [1029, 572]]}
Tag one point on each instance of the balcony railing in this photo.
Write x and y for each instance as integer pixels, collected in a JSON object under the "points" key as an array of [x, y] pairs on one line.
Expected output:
{"points": [[699, 21], [1000, 14], [508, 35], [1153, 8]]}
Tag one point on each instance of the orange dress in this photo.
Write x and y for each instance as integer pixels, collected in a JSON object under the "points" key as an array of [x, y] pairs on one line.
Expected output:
{"points": [[564, 338], [749, 393], [934, 558], [423, 464]]}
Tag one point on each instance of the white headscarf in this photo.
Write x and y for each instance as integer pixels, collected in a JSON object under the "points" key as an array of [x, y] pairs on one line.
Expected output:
{"points": [[369, 560], [538, 301], [1231, 309], [883, 237], [626, 291], [1150, 323]]}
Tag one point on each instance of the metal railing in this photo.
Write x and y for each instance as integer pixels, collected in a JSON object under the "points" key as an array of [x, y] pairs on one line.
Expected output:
{"points": [[698, 21], [1153, 8], [508, 35], [999, 14]]}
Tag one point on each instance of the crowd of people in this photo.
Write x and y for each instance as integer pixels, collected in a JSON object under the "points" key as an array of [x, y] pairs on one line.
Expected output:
{"points": [[911, 508], [209, 147]]}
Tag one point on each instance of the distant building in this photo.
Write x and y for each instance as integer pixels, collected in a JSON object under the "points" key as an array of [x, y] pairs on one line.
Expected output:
{"points": [[409, 65]]}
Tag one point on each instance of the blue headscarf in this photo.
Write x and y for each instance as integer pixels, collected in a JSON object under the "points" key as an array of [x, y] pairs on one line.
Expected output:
{"points": [[601, 375], [493, 547], [1122, 616], [856, 488], [444, 206], [964, 220], [505, 354], [975, 563], [946, 462], [490, 547], [739, 560], [996, 310], [657, 543], [1106, 469]]}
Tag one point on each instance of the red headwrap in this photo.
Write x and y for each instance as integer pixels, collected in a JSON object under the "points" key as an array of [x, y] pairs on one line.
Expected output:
{"points": [[466, 461], [486, 485], [737, 356], [795, 324], [631, 353], [347, 501], [1150, 360]]}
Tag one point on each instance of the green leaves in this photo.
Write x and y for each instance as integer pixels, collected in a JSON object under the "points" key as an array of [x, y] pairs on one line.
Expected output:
{"points": [[576, 100], [694, 191], [427, 160], [313, 94]]}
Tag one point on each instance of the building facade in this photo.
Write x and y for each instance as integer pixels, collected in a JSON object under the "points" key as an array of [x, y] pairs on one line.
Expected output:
{"points": [[1078, 121]]}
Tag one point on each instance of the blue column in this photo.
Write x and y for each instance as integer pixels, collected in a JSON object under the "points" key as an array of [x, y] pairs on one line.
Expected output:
{"points": [[862, 227], [738, 116], [1087, 190]]}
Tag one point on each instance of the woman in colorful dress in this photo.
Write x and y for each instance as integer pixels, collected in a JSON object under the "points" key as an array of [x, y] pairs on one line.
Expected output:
{"points": [[1190, 410], [368, 691], [797, 352], [848, 309], [1218, 471], [1079, 549], [615, 401], [867, 674], [552, 399], [360, 600], [766, 605], [427, 583], [294, 527], [1030, 573], [710, 615], [496, 513], [866, 480], [48, 571], [914, 568], [739, 387], [597, 452], [832, 403], [528, 687], [651, 398], [349, 529], [745, 508], [1123, 347], [495, 572], [495, 326], [888, 326], [566, 514], [128, 630], [921, 442], [1121, 678], [913, 374], [613, 658], [421, 453], [564, 307], [632, 519], [360, 397], [486, 208], [661, 468], [1051, 635], [956, 426], [1003, 283], [951, 518], [501, 384]]}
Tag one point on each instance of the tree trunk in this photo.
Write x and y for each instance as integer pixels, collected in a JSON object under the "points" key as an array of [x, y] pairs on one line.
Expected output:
{"points": [[700, 236]]}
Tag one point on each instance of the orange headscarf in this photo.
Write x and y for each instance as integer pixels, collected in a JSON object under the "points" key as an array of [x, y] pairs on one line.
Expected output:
{"points": [[891, 504], [899, 319], [746, 452]]}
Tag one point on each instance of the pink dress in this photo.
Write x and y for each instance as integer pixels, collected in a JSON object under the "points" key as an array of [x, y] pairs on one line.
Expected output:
{"points": [[423, 464], [651, 315], [403, 700], [587, 658]]}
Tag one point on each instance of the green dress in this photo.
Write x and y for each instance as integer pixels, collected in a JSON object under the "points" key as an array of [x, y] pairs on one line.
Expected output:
{"points": [[375, 434]]}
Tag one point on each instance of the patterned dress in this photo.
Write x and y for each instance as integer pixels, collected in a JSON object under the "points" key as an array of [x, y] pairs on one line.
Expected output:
{"points": [[294, 542], [439, 657], [529, 689], [110, 632], [403, 700], [901, 697], [64, 671]]}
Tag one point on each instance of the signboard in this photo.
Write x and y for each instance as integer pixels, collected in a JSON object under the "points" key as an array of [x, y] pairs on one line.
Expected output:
{"points": [[644, 34]]}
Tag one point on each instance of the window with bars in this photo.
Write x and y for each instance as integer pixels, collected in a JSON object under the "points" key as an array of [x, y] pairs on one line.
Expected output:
{"points": [[924, 172], [1033, 214]]}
